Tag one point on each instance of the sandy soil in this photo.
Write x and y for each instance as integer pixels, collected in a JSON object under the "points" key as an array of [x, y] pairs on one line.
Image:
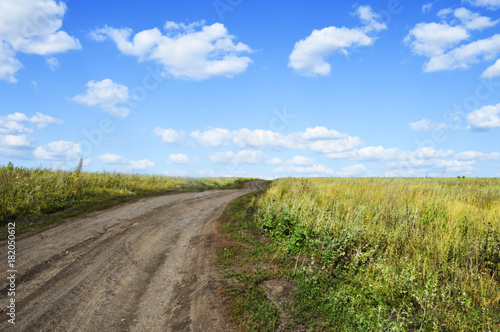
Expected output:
{"points": [[144, 266]]}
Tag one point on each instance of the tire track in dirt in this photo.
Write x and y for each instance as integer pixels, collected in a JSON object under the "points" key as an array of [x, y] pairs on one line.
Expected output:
{"points": [[144, 266]]}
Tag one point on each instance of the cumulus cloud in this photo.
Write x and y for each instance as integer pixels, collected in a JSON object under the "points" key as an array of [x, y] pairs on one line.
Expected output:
{"points": [[321, 133], [426, 7], [313, 169], [477, 155], [492, 71], [170, 136], [435, 165], [246, 138], [32, 27], [141, 164], [106, 95], [242, 157], [122, 162], [486, 117], [309, 55], [463, 56], [179, 158], [440, 42], [16, 134], [300, 161], [352, 170], [318, 139], [432, 39], [332, 146], [59, 151], [195, 51], [427, 125], [212, 138], [113, 159], [491, 4], [53, 63], [369, 153], [473, 21]]}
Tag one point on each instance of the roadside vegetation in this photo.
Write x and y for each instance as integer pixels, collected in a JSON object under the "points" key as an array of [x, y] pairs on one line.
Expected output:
{"points": [[379, 254], [37, 197]]}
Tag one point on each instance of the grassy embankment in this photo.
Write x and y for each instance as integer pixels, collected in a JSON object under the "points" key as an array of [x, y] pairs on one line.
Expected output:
{"points": [[369, 254], [37, 197]]}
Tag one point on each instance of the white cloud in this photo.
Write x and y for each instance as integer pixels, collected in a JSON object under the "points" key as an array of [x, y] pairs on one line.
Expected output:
{"points": [[352, 170], [332, 146], [479, 156], [309, 55], [437, 165], [444, 12], [487, 117], [300, 161], [319, 139], [425, 153], [370, 19], [432, 39], [33, 27], [465, 55], [492, 71], [473, 21], [242, 157], [16, 138], [39, 119], [245, 138], [141, 164], [212, 138], [15, 141], [369, 153], [195, 51], [426, 7], [113, 159], [106, 95], [124, 163], [427, 125], [170, 136], [321, 133], [313, 169], [440, 41], [491, 4], [53, 63], [179, 158], [9, 65], [59, 151]]}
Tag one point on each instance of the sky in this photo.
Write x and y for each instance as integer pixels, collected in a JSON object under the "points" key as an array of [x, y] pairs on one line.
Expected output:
{"points": [[257, 88]]}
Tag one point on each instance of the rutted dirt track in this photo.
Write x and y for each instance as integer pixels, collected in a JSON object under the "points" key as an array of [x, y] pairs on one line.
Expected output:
{"points": [[144, 266]]}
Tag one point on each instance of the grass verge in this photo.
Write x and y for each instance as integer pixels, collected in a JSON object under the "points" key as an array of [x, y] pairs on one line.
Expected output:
{"points": [[245, 260]]}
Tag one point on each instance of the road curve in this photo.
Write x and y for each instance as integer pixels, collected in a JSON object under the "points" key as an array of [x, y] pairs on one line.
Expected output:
{"points": [[143, 266]]}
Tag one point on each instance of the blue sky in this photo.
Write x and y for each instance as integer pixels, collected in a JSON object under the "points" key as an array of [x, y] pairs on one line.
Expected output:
{"points": [[252, 88]]}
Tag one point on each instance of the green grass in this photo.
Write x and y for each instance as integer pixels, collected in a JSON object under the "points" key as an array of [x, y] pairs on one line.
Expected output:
{"points": [[37, 197], [389, 254], [241, 253]]}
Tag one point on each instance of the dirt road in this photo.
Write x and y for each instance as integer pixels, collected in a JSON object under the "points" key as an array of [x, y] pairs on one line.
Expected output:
{"points": [[144, 266]]}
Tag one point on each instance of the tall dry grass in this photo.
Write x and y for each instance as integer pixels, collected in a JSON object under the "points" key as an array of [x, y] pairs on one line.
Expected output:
{"points": [[426, 251]]}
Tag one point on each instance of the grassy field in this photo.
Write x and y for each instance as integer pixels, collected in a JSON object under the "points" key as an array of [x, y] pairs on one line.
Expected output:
{"points": [[370, 254], [390, 254], [37, 197]]}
